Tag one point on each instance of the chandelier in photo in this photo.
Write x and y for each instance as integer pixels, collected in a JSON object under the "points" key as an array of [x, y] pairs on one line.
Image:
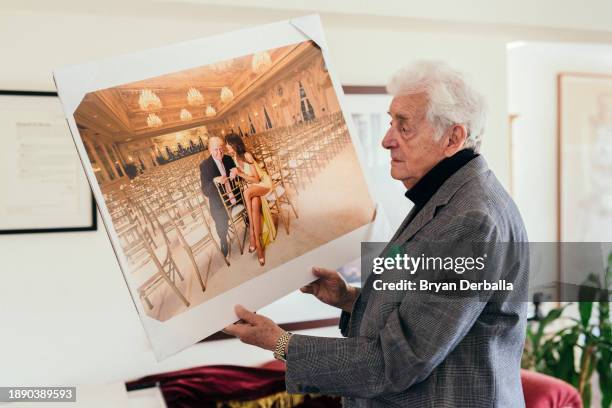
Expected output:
{"points": [[153, 121], [226, 94], [194, 97], [148, 100], [261, 62], [185, 115], [210, 111], [222, 65]]}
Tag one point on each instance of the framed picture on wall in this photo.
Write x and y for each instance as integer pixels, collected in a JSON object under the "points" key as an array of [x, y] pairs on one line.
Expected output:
{"points": [[43, 187], [585, 157], [584, 152]]}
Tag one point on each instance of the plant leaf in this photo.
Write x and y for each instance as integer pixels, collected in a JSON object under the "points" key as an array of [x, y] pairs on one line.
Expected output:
{"points": [[585, 309], [604, 370]]}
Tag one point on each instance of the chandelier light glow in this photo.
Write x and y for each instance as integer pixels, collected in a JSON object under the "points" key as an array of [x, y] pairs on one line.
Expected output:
{"points": [[185, 115], [222, 65], [261, 62], [148, 100], [194, 97], [210, 111], [226, 94], [154, 121]]}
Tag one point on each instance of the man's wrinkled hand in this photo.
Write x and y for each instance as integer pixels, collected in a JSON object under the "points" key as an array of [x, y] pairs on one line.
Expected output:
{"points": [[332, 289], [254, 329]]}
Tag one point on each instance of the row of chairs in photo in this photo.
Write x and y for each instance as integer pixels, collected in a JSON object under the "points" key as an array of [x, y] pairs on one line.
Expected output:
{"points": [[302, 149]]}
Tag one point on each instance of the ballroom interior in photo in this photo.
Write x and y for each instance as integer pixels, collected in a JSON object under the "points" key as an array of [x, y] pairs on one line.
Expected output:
{"points": [[146, 141]]}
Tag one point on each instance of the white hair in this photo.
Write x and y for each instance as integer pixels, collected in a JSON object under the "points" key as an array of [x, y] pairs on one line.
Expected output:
{"points": [[210, 139], [452, 99]]}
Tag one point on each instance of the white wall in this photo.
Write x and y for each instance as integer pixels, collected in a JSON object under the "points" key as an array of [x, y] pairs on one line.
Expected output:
{"points": [[66, 314], [532, 94]]}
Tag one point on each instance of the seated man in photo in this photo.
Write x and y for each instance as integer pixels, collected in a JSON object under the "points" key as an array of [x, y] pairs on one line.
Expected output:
{"points": [[397, 352], [217, 168]]}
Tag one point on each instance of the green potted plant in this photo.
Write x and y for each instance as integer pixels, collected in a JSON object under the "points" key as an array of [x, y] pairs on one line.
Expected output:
{"points": [[574, 352]]}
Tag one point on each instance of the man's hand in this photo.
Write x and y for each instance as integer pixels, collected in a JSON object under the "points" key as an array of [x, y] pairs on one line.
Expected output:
{"points": [[254, 329], [332, 289], [220, 179]]}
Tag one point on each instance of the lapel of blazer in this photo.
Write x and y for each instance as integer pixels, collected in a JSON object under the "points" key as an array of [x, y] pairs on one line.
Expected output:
{"points": [[212, 167], [228, 163], [408, 229], [444, 194]]}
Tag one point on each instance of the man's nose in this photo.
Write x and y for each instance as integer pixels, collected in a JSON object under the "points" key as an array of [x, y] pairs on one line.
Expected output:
{"points": [[388, 141]]}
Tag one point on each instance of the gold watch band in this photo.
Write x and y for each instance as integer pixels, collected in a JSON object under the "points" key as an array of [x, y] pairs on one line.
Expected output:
{"points": [[281, 346]]}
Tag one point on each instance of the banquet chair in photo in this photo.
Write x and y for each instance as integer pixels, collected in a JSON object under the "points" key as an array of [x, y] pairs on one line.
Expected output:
{"points": [[195, 236], [233, 202], [317, 148], [160, 270], [142, 202], [290, 169], [124, 216], [300, 160], [278, 195], [132, 238]]}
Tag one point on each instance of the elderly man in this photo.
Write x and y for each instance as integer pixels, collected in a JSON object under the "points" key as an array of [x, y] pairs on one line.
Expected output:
{"points": [[217, 168], [398, 352]]}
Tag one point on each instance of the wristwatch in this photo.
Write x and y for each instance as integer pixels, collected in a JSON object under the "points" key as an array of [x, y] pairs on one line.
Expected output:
{"points": [[281, 346]]}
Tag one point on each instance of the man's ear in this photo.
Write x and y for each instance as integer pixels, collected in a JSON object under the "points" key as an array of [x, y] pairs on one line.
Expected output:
{"points": [[456, 139]]}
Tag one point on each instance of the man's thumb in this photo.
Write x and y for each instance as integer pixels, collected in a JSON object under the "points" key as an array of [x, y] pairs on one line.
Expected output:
{"points": [[323, 273], [244, 314]]}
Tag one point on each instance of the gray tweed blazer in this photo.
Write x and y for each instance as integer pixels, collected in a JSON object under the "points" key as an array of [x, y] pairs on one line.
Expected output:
{"points": [[464, 353]]}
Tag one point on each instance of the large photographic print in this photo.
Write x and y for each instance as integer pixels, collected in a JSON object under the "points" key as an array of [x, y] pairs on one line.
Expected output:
{"points": [[223, 183]]}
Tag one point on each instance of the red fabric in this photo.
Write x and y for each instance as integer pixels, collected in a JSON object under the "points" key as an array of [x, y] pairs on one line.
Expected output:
{"points": [[207, 385], [204, 386], [543, 391], [275, 365]]}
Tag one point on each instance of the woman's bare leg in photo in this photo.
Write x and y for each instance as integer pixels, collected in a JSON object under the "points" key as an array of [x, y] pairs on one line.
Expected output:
{"points": [[247, 200], [252, 192], [256, 209]]}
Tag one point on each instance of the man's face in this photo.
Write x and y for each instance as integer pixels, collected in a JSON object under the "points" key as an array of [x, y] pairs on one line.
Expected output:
{"points": [[215, 147], [410, 139]]}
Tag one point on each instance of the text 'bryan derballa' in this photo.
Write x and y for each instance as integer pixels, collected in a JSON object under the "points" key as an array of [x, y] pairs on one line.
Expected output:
{"points": [[459, 265]]}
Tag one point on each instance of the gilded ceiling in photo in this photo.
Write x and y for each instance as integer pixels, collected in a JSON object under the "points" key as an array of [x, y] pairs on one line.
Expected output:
{"points": [[184, 99]]}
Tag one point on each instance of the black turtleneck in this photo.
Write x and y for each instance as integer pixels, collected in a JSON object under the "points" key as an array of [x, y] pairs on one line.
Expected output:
{"points": [[427, 186]]}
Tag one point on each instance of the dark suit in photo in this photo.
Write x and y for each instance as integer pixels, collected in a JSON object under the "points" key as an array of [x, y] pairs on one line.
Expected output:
{"points": [[208, 171]]}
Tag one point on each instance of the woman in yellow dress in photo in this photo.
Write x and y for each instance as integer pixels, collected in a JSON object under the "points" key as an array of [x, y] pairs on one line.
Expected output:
{"points": [[261, 226]]}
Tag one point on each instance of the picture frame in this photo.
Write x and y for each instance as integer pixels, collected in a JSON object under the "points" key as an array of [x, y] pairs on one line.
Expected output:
{"points": [[137, 211], [580, 133], [79, 213], [584, 163]]}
